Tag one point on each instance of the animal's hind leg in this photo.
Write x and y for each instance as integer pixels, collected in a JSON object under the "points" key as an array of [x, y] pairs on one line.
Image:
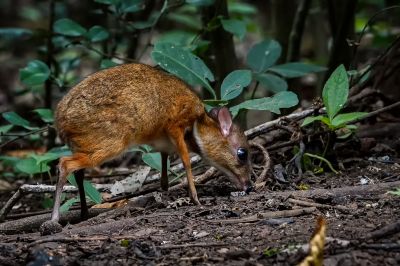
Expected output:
{"points": [[66, 166], [79, 177]]}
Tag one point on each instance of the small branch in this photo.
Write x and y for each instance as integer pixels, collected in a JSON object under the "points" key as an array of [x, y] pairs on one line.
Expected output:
{"points": [[267, 215], [318, 205], [376, 112], [385, 231], [260, 129], [25, 135], [267, 161]]}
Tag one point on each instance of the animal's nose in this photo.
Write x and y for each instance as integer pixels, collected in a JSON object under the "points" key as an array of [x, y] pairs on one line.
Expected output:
{"points": [[248, 188]]}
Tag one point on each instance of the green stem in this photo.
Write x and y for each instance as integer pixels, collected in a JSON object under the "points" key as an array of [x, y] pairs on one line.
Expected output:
{"points": [[322, 159], [254, 90]]}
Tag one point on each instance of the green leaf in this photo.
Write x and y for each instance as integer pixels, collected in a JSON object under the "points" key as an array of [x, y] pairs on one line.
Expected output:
{"points": [[241, 8], [234, 26], [35, 73], [68, 27], [395, 192], [186, 20], [284, 99], [335, 92], [15, 33], [107, 63], [45, 114], [131, 6], [61, 151], [16, 120], [107, 2], [272, 82], [294, 70], [263, 55], [90, 190], [153, 159], [29, 166], [44, 158], [183, 64], [310, 119], [97, 34], [233, 84], [342, 119], [200, 2], [5, 129], [68, 204]]}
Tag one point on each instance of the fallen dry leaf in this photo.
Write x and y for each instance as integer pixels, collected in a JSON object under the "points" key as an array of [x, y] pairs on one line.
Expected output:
{"points": [[317, 242]]}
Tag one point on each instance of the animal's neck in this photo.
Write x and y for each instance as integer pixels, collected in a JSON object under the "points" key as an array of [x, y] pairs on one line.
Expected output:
{"points": [[191, 142]]}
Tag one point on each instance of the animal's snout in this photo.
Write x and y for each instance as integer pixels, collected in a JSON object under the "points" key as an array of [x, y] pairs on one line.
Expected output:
{"points": [[248, 187]]}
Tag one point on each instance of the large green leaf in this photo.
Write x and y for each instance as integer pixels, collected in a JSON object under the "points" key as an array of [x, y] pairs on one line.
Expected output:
{"points": [[45, 114], [233, 84], [342, 119], [272, 82], [183, 64], [68, 27], [263, 55], [90, 190], [284, 99], [29, 166], [35, 73], [335, 92], [294, 70], [97, 34], [234, 26], [16, 120]]}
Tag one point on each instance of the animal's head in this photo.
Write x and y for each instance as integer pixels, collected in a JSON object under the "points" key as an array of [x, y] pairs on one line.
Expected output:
{"points": [[224, 145]]}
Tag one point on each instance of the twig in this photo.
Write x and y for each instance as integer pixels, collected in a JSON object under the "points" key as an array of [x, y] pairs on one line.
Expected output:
{"points": [[385, 231], [376, 112], [266, 161], [25, 135], [326, 193], [192, 245], [26, 189], [267, 215], [318, 205], [260, 129]]}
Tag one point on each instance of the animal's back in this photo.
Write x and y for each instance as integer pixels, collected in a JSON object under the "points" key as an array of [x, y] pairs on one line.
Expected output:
{"points": [[131, 103]]}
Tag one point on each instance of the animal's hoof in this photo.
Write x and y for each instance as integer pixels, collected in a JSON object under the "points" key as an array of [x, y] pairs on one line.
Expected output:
{"points": [[50, 228]]}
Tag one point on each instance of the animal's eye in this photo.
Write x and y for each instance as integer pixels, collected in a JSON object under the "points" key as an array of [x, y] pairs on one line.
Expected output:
{"points": [[242, 154]]}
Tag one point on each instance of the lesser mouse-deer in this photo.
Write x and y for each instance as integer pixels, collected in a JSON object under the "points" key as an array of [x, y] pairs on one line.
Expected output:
{"points": [[133, 104]]}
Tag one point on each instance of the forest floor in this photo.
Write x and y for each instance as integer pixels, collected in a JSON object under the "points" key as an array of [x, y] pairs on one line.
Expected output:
{"points": [[233, 229]]}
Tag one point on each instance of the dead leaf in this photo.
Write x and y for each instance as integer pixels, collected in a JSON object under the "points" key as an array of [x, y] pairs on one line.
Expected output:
{"points": [[317, 242], [109, 205]]}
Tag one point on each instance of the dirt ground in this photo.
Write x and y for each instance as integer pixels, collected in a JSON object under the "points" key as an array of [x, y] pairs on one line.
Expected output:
{"points": [[217, 233]]}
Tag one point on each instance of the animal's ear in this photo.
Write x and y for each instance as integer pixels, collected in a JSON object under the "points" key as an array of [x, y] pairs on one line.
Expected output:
{"points": [[224, 121], [223, 117]]}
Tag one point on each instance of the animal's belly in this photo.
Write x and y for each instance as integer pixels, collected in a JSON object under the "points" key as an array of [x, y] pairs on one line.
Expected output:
{"points": [[163, 144]]}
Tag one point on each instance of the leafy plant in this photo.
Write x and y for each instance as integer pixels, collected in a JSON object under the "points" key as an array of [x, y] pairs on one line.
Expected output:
{"points": [[334, 96]]}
